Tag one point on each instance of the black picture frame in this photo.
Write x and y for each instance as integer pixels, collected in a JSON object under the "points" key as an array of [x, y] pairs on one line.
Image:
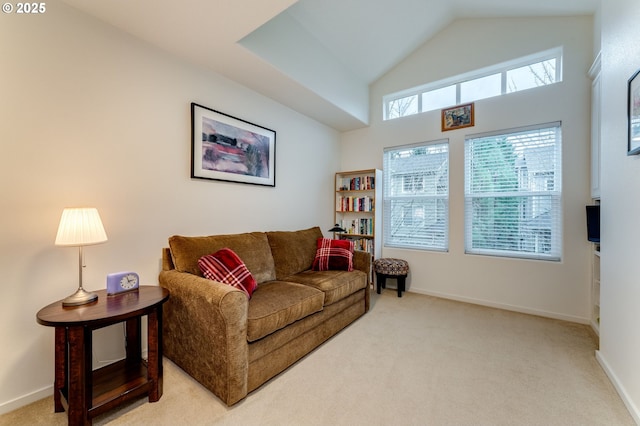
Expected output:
{"points": [[633, 114], [227, 148]]}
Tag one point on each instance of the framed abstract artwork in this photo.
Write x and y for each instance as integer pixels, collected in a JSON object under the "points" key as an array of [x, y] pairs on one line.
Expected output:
{"points": [[227, 148]]}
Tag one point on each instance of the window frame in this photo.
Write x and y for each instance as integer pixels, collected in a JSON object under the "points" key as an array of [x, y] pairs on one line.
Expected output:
{"points": [[423, 197], [457, 81], [539, 187]]}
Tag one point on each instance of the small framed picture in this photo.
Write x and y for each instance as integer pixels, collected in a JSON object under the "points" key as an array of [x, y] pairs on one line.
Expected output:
{"points": [[231, 149], [633, 113], [457, 117]]}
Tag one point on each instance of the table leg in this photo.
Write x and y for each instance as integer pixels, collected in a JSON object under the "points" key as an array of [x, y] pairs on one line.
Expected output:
{"points": [[60, 366], [133, 342], [80, 379], [154, 351]]}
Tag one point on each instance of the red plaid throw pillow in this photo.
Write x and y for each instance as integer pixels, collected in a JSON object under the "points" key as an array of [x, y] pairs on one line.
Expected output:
{"points": [[333, 254], [226, 267]]}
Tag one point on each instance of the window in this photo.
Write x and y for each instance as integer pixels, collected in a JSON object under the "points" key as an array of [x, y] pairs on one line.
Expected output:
{"points": [[403, 106], [481, 88], [438, 98], [529, 72], [513, 193], [416, 196], [533, 75]]}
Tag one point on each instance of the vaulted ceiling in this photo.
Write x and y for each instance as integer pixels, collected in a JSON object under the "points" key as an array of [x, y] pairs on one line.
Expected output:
{"points": [[316, 56]]}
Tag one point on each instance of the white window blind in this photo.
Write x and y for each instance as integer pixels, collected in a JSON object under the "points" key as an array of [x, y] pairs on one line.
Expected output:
{"points": [[513, 188], [416, 196]]}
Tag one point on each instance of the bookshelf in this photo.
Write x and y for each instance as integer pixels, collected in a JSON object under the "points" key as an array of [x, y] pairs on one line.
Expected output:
{"points": [[357, 210]]}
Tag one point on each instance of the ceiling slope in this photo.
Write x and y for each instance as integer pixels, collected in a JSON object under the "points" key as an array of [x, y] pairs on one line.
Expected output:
{"points": [[317, 57]]}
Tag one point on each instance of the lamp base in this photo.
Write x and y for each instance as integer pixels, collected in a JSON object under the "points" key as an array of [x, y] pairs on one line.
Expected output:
{"points": [[80, 297]]}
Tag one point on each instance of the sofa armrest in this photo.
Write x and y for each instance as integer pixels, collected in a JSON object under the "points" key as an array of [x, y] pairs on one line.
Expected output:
{"points": [[362, 262], [167, 260], [205, 332]]}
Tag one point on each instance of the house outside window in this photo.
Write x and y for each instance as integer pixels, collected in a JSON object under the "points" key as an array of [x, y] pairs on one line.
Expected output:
{"points": [[416, 196], [513, 193]]}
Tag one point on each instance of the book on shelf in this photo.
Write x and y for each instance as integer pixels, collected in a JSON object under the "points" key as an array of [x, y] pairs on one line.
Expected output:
{"points": [[360, 226], [363, 245], [358, 183], [355, 204]]}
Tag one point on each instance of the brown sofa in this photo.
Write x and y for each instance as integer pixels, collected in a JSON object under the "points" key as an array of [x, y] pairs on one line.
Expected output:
{"points": [[232, 344]]}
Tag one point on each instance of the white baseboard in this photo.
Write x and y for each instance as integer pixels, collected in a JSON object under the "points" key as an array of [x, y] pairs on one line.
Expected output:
{"points": [[45, 392], [507, 307], [14, 404], [633, 410]]}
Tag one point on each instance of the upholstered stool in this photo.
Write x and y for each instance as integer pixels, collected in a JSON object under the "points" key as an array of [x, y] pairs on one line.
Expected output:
{"points": [[390, 268]]}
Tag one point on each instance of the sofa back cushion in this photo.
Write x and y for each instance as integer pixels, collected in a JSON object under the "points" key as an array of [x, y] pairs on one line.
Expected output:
{"points": [[334, 255], [293, 251], [225, 266], [252, 248]]}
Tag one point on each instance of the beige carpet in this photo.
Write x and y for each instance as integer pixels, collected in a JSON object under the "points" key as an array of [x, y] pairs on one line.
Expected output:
{"points": [[415, 360]]}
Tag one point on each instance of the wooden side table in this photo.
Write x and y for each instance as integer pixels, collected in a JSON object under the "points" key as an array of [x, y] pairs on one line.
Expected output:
{"points": [[86, 393]]}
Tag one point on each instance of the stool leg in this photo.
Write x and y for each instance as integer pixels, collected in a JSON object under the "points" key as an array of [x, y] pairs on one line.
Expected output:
{"points": [[380, 281], [401, 284]]}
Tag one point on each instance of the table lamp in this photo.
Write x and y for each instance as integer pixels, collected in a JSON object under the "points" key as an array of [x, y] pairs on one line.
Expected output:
{"points": [[80, 227], [337, 228]]}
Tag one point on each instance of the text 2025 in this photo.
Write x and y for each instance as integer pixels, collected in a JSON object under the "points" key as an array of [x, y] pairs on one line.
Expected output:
{"points": [[31, 7]]}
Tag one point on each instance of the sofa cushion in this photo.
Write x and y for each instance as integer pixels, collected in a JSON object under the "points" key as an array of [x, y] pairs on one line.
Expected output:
{"points": [[278, 304], [226, 267], [293, 251], [252, 247], [333, 255], [336, 285]]}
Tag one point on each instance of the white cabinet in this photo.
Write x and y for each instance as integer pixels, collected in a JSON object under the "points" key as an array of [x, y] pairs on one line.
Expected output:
{"points": [[595, 289], [594, 73], [596, 101]]}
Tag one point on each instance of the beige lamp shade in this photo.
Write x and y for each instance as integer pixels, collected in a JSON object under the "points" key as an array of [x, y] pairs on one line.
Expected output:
{"points": [[80, 227]]}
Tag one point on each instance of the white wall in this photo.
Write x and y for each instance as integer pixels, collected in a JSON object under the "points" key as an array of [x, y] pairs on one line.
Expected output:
{"points": [[620, 185], [91, 116], [555, 289]]}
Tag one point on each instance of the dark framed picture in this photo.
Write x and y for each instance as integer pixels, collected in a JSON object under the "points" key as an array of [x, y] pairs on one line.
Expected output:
{"points": [[633, 112], [231, 149], [457, 117]]}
